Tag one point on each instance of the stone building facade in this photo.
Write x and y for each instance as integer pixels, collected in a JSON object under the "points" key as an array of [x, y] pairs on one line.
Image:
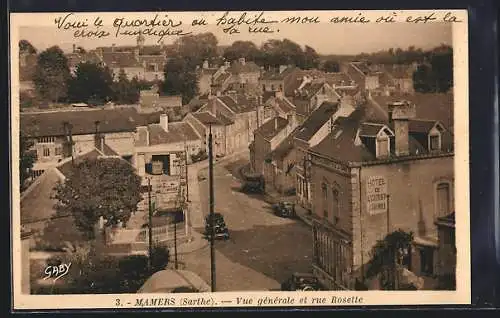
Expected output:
{"points": [[368, 180]]}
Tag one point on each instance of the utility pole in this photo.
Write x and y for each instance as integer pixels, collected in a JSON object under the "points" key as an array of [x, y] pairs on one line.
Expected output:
{"points": [[211, 217], [186, 170], [150, 226], [175, 241]]}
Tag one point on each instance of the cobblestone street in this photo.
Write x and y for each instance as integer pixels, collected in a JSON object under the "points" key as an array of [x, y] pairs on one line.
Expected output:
{"points": [[263, 249]]}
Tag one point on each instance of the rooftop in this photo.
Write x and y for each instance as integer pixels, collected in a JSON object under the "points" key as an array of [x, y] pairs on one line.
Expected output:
{"points": [[276, 75], [239, 103], [316, 120], [207, 118], [438, 107], [247, 67], [272, 127], [343, 143], [83, 121], [120, 59]]}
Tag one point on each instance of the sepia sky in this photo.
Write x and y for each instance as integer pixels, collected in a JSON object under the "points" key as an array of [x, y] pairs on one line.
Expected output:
{"points": [[326, 38]]}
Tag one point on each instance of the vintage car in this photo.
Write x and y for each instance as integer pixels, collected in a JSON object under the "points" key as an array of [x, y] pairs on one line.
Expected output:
{"points": [[285, 209], [301, 281], [221, 230], [253, 183]]}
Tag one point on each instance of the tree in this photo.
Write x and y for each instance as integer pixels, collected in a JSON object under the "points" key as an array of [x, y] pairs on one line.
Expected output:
{"points": [[422, 79], [246, 49], [52, 74], [94, 188], [26, 159], [281, 52], [180, 79], [26, 47], [442, 68], [196, 48], [91, 84], [311, 58], [387, 258], [436, 75]]}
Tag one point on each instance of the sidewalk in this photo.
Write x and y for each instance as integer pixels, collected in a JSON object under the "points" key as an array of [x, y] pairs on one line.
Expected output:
{"points": [[196, 242]]}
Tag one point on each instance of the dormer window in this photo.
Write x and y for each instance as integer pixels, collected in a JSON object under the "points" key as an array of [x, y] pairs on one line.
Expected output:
{"points": [[382, 146], [434, 142], [435, 137]]}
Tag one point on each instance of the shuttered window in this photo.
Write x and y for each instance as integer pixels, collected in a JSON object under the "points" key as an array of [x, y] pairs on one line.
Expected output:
{"points": [[443, 199]]}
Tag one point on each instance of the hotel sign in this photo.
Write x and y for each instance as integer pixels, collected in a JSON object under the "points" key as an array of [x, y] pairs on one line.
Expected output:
{"points": [[376, 195]]}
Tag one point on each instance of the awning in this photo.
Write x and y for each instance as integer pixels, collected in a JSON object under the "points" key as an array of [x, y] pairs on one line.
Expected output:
{"points": [[169, 280], [426, 241]]}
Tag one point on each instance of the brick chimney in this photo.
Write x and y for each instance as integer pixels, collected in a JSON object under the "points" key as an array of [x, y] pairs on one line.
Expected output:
{"points": [[402, 112], [164, 121]]}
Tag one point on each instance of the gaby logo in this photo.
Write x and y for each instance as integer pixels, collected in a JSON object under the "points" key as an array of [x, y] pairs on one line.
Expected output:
{"points": [[56, 271]]}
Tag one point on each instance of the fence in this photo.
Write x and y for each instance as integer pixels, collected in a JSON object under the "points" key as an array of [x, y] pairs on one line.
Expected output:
{"points": [[163, 234]]}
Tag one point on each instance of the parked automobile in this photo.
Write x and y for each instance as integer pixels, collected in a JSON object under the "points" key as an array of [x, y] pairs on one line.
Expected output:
{"points": [[302, 282], [285, 209], [253, 183], [221, 230]]}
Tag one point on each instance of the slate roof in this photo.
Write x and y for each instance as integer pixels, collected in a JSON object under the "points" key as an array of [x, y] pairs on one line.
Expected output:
{"points": [[269, 129], [207, 118], [248, 67], [285, 104], [66, 166], [222, 78], [159, 59], [316, 120], [158, 136], [120, 59], [438, 107], [370, 129], [341, 142], [421, 126], [276, 75], [76, 58], [183, 129], [239, 104], [339, 79], [83, 121]]}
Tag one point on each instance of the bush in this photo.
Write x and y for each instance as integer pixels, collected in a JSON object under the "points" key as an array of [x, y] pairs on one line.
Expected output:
{"points": [[161, 256]]}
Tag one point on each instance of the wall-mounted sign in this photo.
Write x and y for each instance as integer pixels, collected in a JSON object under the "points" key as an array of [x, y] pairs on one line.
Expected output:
{"points": [[376, 195]]}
